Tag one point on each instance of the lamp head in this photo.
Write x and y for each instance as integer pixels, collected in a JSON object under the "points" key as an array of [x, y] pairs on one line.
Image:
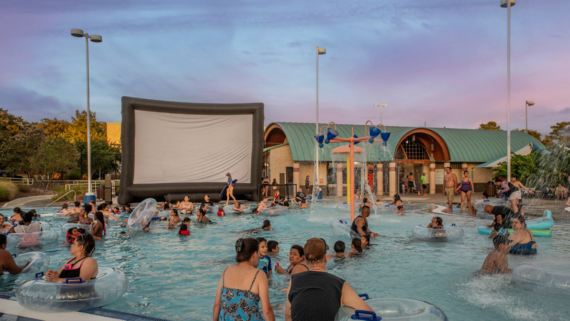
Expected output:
{"points": [[505, 3], [77, 33], [530, 103], [96, 38], [321, 51]]}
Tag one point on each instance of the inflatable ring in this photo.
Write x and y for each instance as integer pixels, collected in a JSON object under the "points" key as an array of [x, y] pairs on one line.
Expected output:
{"points": [[386, 309], [142, 215], [39, 262], [32, 239], [73, 294], [58, 216], [488, 231], [273, 210], [544, 279], [480, 204], [449, 233], [485, 216], [45, 225], [67, 226], [342, 227], [542, 223]]}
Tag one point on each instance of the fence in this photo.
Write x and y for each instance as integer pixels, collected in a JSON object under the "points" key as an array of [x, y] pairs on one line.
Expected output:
{"points": [[25, 181]]}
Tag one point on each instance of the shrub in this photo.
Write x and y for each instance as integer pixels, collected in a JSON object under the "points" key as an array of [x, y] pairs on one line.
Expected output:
{"points": [[73, 175], [79, 189], [8, 191], [24, 188]]}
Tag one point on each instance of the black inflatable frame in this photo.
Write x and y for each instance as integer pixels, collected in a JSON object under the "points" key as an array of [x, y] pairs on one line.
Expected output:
{"points": [[130, 192]]}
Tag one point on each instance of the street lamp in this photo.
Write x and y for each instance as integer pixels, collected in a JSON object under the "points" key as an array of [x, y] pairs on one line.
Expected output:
{"points": [[528, 104], [508, 4], [94, 38], [320, 51], [381, 106]]}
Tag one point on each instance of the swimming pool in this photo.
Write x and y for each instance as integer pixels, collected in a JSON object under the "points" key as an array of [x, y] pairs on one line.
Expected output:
{"points": [[176, 278]]}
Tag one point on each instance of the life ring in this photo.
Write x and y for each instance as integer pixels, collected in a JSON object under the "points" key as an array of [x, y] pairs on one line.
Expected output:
{"points": [[32, 239], [73, 294], [386, 309], [142, 215], [273, 210], [39, 262], [550, 278], [342, 227], [448, 233], [480, 204]]}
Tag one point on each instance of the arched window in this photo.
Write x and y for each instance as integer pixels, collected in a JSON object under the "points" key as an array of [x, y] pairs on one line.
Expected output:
{"points": [[411, 150]]}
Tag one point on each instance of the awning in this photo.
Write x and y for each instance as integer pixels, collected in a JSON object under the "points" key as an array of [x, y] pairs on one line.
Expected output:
{"points": [[495, 162]]}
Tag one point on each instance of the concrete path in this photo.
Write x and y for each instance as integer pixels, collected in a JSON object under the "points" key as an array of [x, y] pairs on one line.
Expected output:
{"points": [[30, 201]]}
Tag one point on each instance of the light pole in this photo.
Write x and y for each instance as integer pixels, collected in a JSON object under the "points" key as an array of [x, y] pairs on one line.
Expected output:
{"points": [[508, 4], [528, 104], [320, 51], [95, 38], [381, 106]]}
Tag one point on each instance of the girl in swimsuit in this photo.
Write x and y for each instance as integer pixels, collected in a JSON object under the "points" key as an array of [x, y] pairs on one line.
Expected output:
{"points": [[230, 189], [174, 218], [82, 265], [436, 222], [297, 260], [466, 189], [356, 247], [7, 262], [98, 228]]}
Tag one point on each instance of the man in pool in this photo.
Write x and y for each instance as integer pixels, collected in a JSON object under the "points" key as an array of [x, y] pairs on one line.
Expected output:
{"points": [[497, 261], [301, 199], [502, 215], [450, 181], [360, 224], [207, 202]]}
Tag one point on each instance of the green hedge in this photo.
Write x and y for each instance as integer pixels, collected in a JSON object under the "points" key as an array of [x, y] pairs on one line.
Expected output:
{"points": [[8, 191], [24, 188]]}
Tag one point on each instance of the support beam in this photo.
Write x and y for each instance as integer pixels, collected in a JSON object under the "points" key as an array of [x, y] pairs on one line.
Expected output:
{"points": [[432, 179], [296, 175], [339, 179], [379, 179], [393, 181]]}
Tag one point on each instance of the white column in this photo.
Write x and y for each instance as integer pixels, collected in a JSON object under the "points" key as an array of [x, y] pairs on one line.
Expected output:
{"points": [[379, 179], [432, 178], [393, 181]]}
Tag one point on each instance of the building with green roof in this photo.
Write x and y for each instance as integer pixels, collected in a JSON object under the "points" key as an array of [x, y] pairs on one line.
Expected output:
{"points": [[289, 155]]}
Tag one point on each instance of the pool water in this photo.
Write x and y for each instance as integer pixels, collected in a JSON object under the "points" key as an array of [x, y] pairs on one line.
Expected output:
{"points": [[176, 277]]}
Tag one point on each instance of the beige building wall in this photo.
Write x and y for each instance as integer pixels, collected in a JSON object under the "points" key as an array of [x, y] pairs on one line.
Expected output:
{"points": [[114, 133], [279, 159]]}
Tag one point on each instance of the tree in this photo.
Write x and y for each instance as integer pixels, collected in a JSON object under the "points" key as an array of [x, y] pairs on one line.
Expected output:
{"points": [[17, 152], [490, 126], [531, 132], [10, 125], [77, 129], [104, 156], [559, 133], [55, 155], [54, 127], [522, 167]]}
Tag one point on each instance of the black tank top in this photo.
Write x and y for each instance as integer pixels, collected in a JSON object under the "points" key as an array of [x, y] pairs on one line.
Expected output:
{"points": [[355, 228], [315, 296], [69, 271]]}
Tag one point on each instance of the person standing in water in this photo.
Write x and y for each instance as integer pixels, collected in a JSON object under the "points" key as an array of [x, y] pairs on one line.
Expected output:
{"points": [[515, 195], [466, 189], [360, 224], [230, 189], [450, 182]]}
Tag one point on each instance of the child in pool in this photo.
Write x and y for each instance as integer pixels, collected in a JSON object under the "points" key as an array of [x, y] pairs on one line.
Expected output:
{"points": [[72, 234], [221, 211], [266, 226], [365, 241], [398, 202], [356, 247], [339, 249], [272, 247], [379, 203], [174, 218], [186, 221], [184, 230], [436, 222], [261, 205], [237, 207], [264, 263], [497, 261]]}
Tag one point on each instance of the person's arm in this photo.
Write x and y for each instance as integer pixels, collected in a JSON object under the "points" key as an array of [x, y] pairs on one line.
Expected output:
{"points": [[525, 188], [359, 226], [502, 264], [95, 230], [288, 305], [351, 299], [499, 219], [218, 301], [516, 237], [263, 288], [110, 215], [10, 265], [472, 186]]}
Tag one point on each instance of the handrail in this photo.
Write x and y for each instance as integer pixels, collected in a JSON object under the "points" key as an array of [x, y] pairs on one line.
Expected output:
{"points": [[74, 198]]}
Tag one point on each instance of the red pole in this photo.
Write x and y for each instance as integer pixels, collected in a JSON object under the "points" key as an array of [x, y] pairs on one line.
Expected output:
{"points": [[352, 176]]}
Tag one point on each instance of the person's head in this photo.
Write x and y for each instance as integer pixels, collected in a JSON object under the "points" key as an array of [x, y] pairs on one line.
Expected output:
{"points": [[518, 222], [560, 185], [28, 217], [307, 176], [220, 208], [357, 245], [92, 202], [77, 203], [83, 245], [365, 240], [296, 254], [365, 200], [365, 211], [2, 219], [183, 227], [262, 246], [3, 241], [513, 179], [286, 202], [274, 180], [88, 208], [501, 243], [228, 174], [315, 251], [488, 209], [99, 217], [447, 170], [247, 250], [397, 197], [173, 212], [186, 221], [18, 211], [200, 212], [273, 246], [339, 247], [207, 198], [424, 174], [104, 206], [266, 224], [72, 231], [273, 204], [465, 173], [485, 195], [439, 221], [186, 199], [64, 206], [238, 204]]}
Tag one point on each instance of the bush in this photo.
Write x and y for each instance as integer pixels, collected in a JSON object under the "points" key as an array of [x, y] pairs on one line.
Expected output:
{"points": [[79, 189], [8, 191], [24, 188], [73, 175]]}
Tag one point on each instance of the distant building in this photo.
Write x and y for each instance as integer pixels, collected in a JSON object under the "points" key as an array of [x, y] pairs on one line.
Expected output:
{"points": [[114, 133]]}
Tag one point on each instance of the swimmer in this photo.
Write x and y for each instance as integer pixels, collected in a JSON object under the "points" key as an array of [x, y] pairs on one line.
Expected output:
{"points": [[206, 203], [237, 207], [360, 223], [365, 202], [64, 208], [202, 217], [365, 241], [301, 199], [522, 240], [183, 230], [497, 261], [147, 227], [398, 202], [356, 247], [436, 222], [17, 217], [72, 234], [98, 228], [185, 207], [339, 248], [84, 215], [266, 226], [104, 209], [174, 218], [75, 213], [7, 262], [221, 211], [297, 260], [81, 266], [116, 210], [28, 226], [272, 247], [5, 227], [379, 203], [264, 263]]}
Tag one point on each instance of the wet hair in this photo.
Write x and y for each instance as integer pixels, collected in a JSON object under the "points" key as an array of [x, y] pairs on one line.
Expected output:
{"points": [[397, 197], [88, 208], [101, 207], [266, 223], [28, 217], [366, 207], [465, 172], [220, 208], [299, 249], [81, 230], [485, 194], [3, 239], [183, 227], [245, 249], [186, 219], [272, 245], [175, 211], [71, 230], [520, 218], [500, 239], [237, 204], [357, 244], [261, 240], [367, 237], [285, 203], [88, 243], [439, 220], [18, 210], [64, 206], [339, 247], [76, 203], [364, 200], [99, 217]]}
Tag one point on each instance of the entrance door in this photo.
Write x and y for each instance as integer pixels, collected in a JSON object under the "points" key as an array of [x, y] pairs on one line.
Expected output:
{"points": [[289, 177]]}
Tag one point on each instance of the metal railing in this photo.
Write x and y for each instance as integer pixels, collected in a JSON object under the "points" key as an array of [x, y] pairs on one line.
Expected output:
{"points": [[94, 185], [64, 195], [27, 181]]}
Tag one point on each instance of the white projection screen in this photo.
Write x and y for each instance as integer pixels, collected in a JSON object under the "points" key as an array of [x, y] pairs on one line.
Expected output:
{"points": [[180, 148], [173, 149]]}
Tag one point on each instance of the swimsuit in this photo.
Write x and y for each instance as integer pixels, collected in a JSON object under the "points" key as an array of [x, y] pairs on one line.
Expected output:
{"points": [[528, 248], [239, 304], [290, 269], [465, 186]]}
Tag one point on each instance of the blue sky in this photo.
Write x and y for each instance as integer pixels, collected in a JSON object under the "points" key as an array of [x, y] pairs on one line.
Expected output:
{"points": [[441, 62]]}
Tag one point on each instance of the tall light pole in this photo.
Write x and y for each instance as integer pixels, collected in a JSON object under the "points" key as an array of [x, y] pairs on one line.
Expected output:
{"points": [[527, 104], [320, 51], [381, 106], [95, 38], [508, 4]]}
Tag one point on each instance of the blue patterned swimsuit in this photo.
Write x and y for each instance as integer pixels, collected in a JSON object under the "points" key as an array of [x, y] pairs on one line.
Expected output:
{"points": [[239, 305]]}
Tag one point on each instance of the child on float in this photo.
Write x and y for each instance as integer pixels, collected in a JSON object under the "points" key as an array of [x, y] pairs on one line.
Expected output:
{"points": [[71, 235], [436, 223], [238, 208], [497, 261], [261, 205], [264, 263]]}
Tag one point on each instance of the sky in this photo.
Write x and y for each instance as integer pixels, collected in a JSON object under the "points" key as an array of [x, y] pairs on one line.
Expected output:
{"points": [[442, 63]]}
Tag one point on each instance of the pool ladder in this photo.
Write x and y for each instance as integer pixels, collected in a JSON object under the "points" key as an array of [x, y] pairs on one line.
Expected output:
{"points": [[74, 198]]}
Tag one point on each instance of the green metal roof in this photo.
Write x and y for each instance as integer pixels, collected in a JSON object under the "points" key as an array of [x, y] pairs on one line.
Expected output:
{"points": [[465, 145], [270, 148]]}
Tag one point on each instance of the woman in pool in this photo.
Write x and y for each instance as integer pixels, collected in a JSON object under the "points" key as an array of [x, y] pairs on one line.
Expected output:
{"points": [[84, 216], [82, 265], [522, 240], [297, 260], [466, 189], [28, 226], [18, 215], [436, 222], [183, 230], [5, 227], [174, 218], [98, 228], [365, 202], [202, 217], [400, 205], [186, 207], [266, 226], [7, 262], [242, 287], [356, 247], [230, 189], [104, 209]]}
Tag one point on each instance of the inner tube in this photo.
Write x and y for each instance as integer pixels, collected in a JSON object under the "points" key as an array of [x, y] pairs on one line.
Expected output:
{"points": [[542, 223], [58, 216], [45, 225], [342, 227], [67, 226], [488, 231], [273, 210], [448, 233], [480, 204], [393, 309], [545, 278], [39, 262], [485, 216], [73, 294], [32, 239], [142, 215]]}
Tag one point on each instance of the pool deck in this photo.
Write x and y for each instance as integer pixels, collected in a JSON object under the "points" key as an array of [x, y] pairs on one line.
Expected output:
{"points": [[10, 310]]}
